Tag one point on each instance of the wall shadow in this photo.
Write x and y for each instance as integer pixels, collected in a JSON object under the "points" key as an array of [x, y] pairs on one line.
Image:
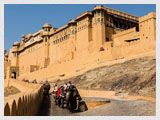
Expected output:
{"points": [[44, 108]]}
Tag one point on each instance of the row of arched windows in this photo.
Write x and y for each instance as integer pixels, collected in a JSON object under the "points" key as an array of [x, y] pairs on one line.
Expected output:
{"points": [[61, 39], [123, 25], [81, 21], [82, 27], [99, 20], [99, 13]]}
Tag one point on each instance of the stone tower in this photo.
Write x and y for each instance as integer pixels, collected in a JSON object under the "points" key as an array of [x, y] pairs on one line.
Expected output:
{"points": [[146, 23], [99, 27], [14, 52], [46, 29]]}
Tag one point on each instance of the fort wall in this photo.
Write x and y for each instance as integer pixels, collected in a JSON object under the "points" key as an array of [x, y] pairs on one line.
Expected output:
{"points": [[147, 26], [25, 103], [100, 35], [134, 48], [126, 36]]}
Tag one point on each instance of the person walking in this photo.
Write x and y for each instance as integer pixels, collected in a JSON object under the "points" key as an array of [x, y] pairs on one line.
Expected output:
{"points": [[47, 88]]}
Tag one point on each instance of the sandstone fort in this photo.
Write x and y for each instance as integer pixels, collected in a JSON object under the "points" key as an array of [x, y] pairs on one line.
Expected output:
{"points": [[95, 38], [103, 34]]}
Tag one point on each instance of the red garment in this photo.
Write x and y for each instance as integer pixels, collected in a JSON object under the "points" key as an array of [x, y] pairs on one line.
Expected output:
{"points": [[59, 91]]}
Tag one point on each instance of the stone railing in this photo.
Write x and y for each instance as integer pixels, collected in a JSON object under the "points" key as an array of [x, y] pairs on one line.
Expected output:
{"points": [[24, 104]]}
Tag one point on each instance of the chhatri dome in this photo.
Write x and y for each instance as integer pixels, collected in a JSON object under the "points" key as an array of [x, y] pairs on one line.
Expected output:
{"points": [[16, 43], [23, 36], [47, 25]]}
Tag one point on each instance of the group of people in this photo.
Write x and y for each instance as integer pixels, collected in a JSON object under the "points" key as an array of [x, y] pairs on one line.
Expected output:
{"points": [[66, 96]]}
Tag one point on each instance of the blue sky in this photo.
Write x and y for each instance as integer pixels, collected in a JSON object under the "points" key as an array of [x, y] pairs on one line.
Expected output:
{"points": [[24, 19]]}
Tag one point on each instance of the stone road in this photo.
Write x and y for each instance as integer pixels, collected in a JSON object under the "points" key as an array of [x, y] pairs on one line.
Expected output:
{"points": [[117, 107]]}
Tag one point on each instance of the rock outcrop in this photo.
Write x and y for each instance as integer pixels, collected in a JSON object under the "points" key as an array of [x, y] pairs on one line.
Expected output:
{"points": [[134, 77]]}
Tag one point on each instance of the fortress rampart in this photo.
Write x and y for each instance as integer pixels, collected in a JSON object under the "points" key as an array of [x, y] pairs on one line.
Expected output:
{"points": [[25, 103], [100, 35]]}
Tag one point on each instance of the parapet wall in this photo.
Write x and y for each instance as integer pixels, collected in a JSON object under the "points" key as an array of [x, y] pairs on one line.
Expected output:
{"points": [[147, 17], [24, 104], [79, 65], [129, 49], [69, 68], [121, 37], [125, 32]]}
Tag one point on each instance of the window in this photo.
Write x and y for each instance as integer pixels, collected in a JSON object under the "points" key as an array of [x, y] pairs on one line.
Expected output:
{"points": [[120, 25], [116, 23], [72, 31], [98, 13], [102, 20], [129, 26], [124, 26], [98, 19], [107, 39], [45, 39]]}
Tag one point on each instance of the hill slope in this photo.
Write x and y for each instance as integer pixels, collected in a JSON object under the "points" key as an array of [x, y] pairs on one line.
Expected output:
{"points": [[136, 77]]}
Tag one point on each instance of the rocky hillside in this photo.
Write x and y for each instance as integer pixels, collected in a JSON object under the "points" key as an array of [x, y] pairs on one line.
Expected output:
{"points": [[135, 77]]}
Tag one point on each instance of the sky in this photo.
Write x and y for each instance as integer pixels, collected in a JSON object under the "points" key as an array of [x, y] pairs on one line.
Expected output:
{"points": [[22, 19]]}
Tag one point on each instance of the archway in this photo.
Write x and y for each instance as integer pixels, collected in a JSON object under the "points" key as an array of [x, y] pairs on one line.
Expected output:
{"points": [[14, 75]]}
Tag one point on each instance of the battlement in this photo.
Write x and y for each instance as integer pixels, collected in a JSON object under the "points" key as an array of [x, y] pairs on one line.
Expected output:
{"points": [[132, 30], [151, 15], [84, 14], [116, 12]]}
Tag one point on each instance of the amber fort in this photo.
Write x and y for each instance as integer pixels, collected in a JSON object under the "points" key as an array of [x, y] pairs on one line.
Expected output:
{"points": [[97, 36]]}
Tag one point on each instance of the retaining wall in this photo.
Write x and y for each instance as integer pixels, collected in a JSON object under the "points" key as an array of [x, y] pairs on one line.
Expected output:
{"points": [[23, 104]]}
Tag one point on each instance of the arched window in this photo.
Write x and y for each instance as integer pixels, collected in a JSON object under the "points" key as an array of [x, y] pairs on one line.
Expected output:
{"points": [[14, 75], [124, 26], [116, 23], [120, 25], [129, 26], [102, 20], [98, 13], [98, 19], [72, 31]]}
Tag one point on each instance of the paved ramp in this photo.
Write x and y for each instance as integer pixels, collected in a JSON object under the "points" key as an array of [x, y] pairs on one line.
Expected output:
{"points": [[117, 107], [122, 107], [49, 108]]}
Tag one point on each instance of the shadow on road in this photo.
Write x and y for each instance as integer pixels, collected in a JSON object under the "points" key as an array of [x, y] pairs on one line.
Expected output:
{"points": [[45, 106], [49, 108]]}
